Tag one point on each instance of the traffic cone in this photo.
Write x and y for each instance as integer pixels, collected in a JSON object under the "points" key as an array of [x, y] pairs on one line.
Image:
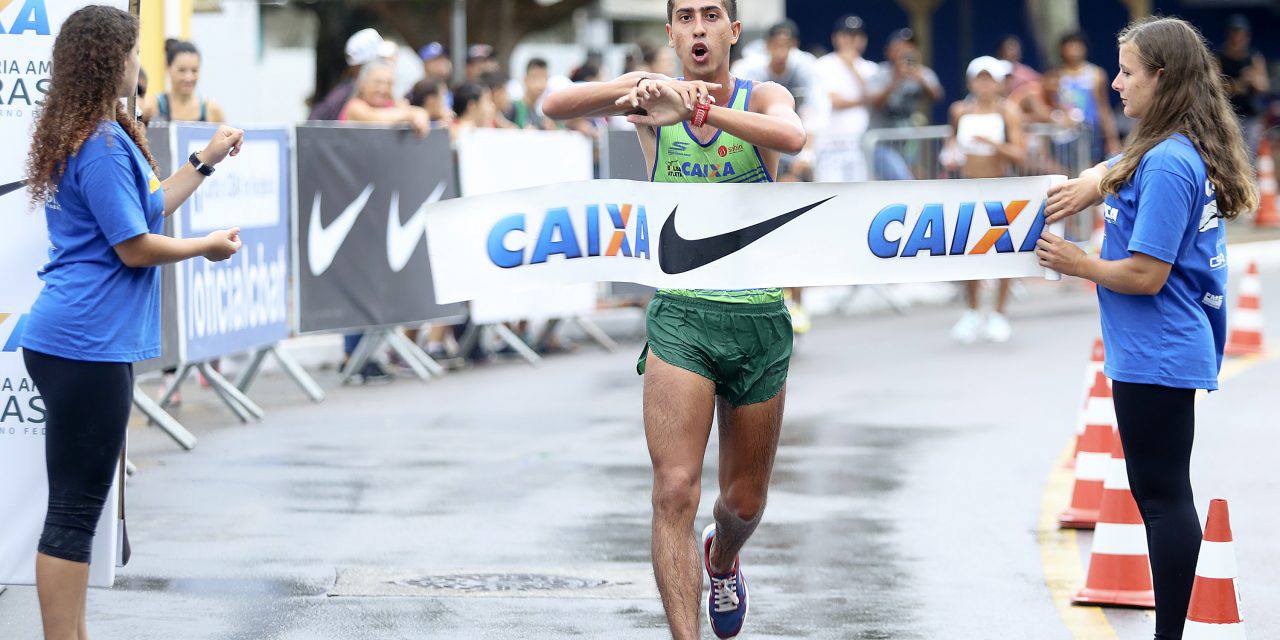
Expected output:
{"points": [[1267, 216], [1119, 568], [1097, 360], [1214, 613], [1093, 458], [1246, 324]]}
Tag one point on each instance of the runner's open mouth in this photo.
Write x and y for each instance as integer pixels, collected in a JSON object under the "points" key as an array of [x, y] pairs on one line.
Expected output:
{"points": [[700, 52]]}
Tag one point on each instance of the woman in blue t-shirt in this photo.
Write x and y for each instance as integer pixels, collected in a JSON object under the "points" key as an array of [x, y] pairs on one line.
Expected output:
{"points": [[1162, 276], [99, 310]]}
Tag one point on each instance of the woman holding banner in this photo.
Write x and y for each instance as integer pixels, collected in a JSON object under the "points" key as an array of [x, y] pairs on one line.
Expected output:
{"points": [[99, 310], [1162, 276]]}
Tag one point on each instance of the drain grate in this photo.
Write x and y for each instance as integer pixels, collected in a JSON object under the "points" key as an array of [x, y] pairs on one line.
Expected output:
{"points": [[506, 582]]}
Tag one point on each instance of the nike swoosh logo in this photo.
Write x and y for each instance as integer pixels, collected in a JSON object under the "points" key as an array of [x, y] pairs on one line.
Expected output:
{"points": [[323, 242], [403, 240], [12, 186], [678, 255]]}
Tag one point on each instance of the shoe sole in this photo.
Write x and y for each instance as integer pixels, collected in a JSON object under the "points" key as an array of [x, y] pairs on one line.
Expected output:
{"points": [[746, 610]]}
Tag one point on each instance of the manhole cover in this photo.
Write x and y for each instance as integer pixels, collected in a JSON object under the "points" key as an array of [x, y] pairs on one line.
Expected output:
{"points": [[502, 582]]}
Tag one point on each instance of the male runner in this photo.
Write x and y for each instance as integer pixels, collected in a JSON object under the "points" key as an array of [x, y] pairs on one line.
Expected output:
{"points": [[707, 350]]}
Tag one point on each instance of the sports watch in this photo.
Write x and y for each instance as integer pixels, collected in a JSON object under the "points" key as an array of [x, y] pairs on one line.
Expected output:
{"points": [[204, 169]]}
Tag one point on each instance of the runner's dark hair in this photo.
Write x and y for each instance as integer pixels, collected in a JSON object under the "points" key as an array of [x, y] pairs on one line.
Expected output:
{"points": [[730, 6]]}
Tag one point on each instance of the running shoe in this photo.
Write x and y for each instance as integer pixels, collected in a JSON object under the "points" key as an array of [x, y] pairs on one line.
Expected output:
{"points": [[998, 329], [727, 601], [800, 322], [966, 330]]}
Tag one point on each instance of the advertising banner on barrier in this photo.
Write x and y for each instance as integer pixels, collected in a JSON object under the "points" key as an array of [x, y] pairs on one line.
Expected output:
{"points": [[241, 303], [361, 255], [161, 149], [27, 30], [535, 158], [622, 158], [737, 236]]}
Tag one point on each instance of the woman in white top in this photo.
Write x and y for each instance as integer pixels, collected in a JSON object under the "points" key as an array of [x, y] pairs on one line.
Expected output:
{"points": [[986, 142]]}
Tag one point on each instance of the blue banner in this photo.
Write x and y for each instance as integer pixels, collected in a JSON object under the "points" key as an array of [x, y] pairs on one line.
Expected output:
{"points": [[241, 303]]}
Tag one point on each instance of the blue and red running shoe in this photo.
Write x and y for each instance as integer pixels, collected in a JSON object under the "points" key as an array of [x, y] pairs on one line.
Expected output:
{"points": [[727, 601]]}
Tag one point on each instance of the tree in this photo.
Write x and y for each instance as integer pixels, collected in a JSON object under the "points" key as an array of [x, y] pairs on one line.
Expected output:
{"points": [[1050, 20], [500, 23]]}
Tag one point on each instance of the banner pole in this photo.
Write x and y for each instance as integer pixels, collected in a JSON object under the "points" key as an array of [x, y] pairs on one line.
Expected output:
{"points": [[135, 10]]}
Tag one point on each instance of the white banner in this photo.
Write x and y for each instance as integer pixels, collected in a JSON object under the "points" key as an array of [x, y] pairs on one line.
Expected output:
{"points": [[496, 160], [737, 236], [27, 30]]}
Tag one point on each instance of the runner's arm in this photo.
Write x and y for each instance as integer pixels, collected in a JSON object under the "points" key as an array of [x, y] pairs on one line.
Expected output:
{"points": [[772, 122], [594, 99]]}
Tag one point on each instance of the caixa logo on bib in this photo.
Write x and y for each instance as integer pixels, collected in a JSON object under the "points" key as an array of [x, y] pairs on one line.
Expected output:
{"points": [[511, 244], [929, 230]]}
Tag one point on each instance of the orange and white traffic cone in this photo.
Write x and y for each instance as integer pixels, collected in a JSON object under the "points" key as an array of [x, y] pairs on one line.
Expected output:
{"points": [[1093, 458], [1246, 323], [1214, 613], [1119, 567], [1097, 360], [1268, 216]]}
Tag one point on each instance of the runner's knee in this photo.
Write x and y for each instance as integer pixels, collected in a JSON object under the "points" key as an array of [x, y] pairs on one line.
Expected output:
{"points": [[676, 491], [745, 500]]}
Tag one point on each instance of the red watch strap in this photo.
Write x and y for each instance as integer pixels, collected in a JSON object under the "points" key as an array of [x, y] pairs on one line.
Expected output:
{"points": [[700, 112]]}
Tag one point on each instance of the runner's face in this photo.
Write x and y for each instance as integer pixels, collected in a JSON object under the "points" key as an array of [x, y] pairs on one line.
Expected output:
{"points": [[702, 34]]}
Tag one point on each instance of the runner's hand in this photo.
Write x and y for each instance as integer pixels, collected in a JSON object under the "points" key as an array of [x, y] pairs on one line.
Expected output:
{"points": [[225, 141], [222, 244], [645, 89], [666, 109], [1072, 197], [694, 91]]}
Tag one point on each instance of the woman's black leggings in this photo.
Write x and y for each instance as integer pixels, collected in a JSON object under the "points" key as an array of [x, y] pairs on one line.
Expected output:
{"points": [[87, 405], [1157, 425]]}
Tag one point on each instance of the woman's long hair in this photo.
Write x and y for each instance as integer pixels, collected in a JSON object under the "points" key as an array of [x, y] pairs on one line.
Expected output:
{"points": [[89, 58], [1190, 98]]}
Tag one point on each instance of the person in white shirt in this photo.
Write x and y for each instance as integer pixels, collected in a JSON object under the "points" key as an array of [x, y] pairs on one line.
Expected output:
{"points": [[840, 105]]}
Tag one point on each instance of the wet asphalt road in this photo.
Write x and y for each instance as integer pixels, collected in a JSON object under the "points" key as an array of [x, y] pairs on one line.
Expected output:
{"points": [[509, 502]]}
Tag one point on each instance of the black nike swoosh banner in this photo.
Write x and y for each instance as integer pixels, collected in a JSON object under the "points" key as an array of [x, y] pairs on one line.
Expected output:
{"points": [[679, 255], [12, 186]]}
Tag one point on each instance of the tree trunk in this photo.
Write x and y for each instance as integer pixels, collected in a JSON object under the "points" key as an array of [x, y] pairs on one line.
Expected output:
{"points": [[1050, 20]]}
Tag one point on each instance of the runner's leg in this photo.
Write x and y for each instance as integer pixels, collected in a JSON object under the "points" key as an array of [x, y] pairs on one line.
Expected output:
{"points": [[748, 444], [678, 409]]}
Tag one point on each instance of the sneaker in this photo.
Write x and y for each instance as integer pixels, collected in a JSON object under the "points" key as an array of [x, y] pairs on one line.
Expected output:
{"points": [[800, 322], [727, 601], [998, 328], [966, 330]]}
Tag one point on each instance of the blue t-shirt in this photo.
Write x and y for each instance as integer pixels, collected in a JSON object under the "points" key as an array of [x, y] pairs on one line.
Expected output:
{"points": [[93, 307], [1168, 211]]}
